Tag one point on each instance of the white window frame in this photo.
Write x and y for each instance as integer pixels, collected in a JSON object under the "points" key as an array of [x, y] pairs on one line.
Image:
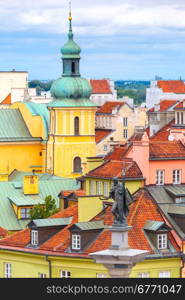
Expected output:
{"points": [[99, 187], [162, 241], [164, 274], [92, 187], [7, 270], [105, 189], [176, 176], [34, 237], [65, 274], [76, 242], [42, 275], [160, 175], [143, 275], [125, 133], [25, 212], [101, 275]]}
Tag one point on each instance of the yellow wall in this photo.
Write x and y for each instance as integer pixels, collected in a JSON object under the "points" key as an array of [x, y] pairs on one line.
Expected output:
{"points": [[63, 146], [27, 265], [34, 123], [132, 185], [88, 208], [20, 156], [31, 185]]}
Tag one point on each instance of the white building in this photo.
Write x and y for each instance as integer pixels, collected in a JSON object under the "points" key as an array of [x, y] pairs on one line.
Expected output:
{"points": [[103, 90], [163, 90]]}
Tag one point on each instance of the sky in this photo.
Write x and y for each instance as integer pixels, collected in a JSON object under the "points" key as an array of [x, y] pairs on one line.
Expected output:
{"points": [[120, 39]]}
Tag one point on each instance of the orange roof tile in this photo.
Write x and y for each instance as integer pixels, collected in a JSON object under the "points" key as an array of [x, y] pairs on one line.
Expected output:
{"points": [[100, 86], [77, 193], [172, 86], [163, 133], [167, 149], [164, 105], [108, 106], [100, 134], [7, 100], [3, 232], [114, 168], [141, 210], [180, 105], [118, 152]]}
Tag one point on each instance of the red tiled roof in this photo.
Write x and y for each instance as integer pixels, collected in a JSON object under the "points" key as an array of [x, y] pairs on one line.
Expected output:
{"points": [[164, 105], [100, 86], [172, 86], [118, 153], [108, 106], [7, 100], [77, 193], [180, 105], [100, 134], [167, 149], [141, 210], [163, 133], [3, 232], [114, 168]]}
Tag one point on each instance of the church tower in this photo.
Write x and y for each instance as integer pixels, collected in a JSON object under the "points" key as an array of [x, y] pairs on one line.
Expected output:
{"points": [[72, 116]]}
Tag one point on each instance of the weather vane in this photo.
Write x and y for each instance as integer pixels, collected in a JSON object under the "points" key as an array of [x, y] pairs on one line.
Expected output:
{"points": [[70, 17]]}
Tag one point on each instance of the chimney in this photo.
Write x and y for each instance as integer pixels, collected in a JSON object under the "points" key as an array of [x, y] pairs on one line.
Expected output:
{"points": [[31, 185]]}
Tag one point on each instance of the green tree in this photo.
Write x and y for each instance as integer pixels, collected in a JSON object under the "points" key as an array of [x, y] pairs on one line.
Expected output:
{"points": [[41, 211]]}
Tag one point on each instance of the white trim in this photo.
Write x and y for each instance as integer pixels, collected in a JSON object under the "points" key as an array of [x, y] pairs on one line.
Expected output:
{"points": [[76, 242], [162, 241], [34, 237]]}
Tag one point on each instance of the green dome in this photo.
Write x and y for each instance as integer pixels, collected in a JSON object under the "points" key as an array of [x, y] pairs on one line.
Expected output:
{"points": [[70, 49], [71, 88]]}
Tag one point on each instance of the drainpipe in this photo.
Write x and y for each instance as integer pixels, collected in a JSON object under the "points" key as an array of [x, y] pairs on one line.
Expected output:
{"points": [[50, 267]]}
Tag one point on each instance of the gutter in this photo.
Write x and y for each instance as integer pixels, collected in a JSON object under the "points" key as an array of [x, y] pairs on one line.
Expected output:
{"points": [[50, 266]]}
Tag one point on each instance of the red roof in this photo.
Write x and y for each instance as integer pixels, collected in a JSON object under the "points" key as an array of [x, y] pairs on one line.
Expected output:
{"points": [[118, 153], [3, 232], [163, 133], [100, 134], [77, 193], [164, 105], [100, 86], [108, 106], [167, 149], [180, 105], [141, 210], [7, 100], [114, 168], [172, 86]]}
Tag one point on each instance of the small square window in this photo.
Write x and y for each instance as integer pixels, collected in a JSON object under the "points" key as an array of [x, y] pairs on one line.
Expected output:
{"points": [[42, 275], [65, 274], [164, 274], [143, 275]]}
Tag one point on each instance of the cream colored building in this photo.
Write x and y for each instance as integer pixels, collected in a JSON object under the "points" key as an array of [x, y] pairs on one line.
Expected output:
{"points": [[116, 122]]}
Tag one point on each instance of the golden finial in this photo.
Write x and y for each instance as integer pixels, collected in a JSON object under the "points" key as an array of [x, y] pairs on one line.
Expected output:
{"points": [[70, 17]]}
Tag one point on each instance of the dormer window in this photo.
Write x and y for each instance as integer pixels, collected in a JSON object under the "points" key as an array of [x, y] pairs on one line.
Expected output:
{"points": [[34, 238], [162, 241], [25, 213], [76, 242]]}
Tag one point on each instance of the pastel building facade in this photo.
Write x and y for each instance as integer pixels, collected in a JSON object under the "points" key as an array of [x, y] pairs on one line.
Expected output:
{"points": [[164, 89], [103, 90]]}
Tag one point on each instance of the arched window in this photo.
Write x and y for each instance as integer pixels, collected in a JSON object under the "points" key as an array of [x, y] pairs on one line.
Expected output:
{"points": [[77, 165], [73, 67], [76, 126]]}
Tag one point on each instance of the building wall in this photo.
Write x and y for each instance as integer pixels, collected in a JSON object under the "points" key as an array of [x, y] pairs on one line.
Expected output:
{"points": [[14, 82], [132, 185], [63, 146], [25, 265], [20, 156], [168, 166]]}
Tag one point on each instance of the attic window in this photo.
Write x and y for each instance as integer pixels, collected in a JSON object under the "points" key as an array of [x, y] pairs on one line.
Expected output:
{"points": [[34, 238], [162, 241], [76, 242]]}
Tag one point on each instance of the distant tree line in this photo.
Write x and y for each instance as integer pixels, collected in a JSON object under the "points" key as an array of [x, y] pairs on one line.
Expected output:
{"points": [[132, 89], [40, 85]]}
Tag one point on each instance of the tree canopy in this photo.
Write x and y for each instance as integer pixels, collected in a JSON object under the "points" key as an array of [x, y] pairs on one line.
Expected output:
{"points": [[41, 211]]}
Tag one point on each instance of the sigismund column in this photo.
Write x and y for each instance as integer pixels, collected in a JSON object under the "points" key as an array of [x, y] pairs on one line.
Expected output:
{"points": [[119, 258]]}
